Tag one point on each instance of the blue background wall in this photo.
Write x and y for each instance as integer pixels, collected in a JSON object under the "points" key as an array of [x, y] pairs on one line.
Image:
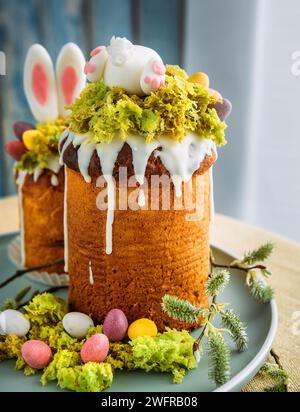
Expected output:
{"points": [[155, 23]]}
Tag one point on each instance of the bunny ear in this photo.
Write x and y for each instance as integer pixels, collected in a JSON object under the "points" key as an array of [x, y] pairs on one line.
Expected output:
{"points": [[39, 84], [70, 75]]}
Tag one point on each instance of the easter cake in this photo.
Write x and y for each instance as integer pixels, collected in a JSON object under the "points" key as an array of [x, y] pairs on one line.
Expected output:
{"points": [[39, 176], [138, 158]]}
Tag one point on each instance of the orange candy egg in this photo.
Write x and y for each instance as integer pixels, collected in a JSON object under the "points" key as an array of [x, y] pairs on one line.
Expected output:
{"points": [[200, 78]]}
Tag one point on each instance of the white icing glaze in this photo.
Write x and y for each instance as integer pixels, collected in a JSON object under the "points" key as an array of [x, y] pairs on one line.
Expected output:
{"points": [[20, 181], [108, 153], [53, 164], [91, 275], [37, 173], [66, 255], [183, 158], [85, 153], [140, 155], [66, 144], [54, 180]]}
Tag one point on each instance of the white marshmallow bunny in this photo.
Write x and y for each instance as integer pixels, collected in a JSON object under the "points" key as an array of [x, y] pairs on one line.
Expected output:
{"points": [[137, 69], [48, 93]]}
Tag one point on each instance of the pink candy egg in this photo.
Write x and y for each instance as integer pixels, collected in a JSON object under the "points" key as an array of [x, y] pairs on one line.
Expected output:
{"points": [[115, 325], [95, 349], [36, 354]]}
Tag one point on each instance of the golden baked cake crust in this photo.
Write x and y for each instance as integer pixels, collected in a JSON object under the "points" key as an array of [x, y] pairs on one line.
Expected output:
{"points": [[154, 252], [43, 221]]}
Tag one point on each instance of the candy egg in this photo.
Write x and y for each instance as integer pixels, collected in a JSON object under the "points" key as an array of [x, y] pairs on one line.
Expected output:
{"points": [[214, 93], [29, 138], [200, 78], [36, 354], [13, 322], [115, 325], [77, 324], [142, 327], [95, 349], [223, 109], [15, 149], [20, 128]]}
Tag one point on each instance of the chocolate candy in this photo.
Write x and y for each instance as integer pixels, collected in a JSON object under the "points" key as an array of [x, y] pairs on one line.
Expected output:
{"points": [[21, 127]]}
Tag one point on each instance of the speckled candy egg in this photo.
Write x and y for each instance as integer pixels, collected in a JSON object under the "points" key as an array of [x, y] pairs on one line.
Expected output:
{"points": [[77, 324], [223, 109], [13, 322], [142, 327], [36, 354], [115, 325], [95, 349]]}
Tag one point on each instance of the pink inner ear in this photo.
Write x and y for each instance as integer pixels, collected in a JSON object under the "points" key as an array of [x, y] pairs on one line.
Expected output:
{"points": [[40, 84], [68, 84]]}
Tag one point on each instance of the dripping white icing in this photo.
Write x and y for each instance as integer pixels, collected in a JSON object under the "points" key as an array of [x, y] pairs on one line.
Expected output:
{"points": [[54, 180], [211, 194], [183, 158], [52, 164], [37, 173], [20, 181], [66, 221], [108, 153], [85, 153], [66, 144], [91, 275], [140, 155]]}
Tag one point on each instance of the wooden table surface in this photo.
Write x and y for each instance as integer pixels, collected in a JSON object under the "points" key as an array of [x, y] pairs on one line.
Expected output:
{"points": [[238, 237]]}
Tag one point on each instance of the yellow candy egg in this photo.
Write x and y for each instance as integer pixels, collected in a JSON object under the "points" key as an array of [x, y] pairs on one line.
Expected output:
{"points": [[200, 78], [30, 136], [142, 327]]}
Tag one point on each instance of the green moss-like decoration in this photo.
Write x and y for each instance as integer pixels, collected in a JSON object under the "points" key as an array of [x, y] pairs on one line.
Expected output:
{"points": [[170, 352], [45, 147], [178, 107]]}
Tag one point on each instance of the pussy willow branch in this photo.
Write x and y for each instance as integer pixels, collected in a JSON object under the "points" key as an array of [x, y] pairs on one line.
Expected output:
{"points": [[235, 266], [279, 364], [276, 358], [21, 272], [198, 340]]}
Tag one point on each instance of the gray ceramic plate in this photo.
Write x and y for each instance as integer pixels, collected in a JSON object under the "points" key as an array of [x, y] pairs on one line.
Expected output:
{"points": [[260, 318]]}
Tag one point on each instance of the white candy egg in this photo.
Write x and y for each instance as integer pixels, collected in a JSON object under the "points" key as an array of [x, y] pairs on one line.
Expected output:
{"points": [[77, 324], [13, 322]]}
